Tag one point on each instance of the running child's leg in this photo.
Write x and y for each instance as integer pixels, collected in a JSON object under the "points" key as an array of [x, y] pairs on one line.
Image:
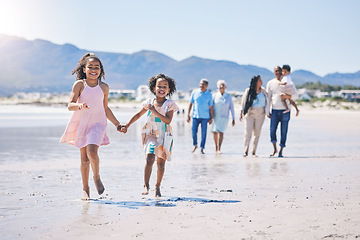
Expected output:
{"points": [[160, 175], [85, 171], [150, 159], [92, 154]]}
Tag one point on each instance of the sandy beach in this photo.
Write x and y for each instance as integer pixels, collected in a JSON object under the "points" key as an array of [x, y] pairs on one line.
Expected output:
{"points": [[311, 193]]}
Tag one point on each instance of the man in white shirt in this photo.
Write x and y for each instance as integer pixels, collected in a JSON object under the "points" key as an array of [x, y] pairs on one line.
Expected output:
{"points": [[278, 115]]}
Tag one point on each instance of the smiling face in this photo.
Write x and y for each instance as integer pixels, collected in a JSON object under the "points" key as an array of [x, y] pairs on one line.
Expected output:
{"points": [[285, 72], [161, 88], [92, 69], [278, 72]]}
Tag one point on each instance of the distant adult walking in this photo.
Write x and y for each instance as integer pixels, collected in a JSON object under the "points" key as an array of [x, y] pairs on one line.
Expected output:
{"points": [[278, 113], [254, 106], [201, 104], [223, 104]]}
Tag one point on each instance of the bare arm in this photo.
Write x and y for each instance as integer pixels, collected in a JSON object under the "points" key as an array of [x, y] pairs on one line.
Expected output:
{"points": [[241, 114], [189, 110], [109, 114], [165, 119], [73, 105], [135, 117], [211, 110]]}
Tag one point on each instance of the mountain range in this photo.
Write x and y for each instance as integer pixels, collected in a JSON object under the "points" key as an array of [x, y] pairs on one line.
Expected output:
{"points": [[40, 65]]}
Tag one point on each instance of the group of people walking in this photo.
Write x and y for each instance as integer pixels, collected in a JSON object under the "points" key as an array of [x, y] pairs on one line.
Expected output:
{"points": [[89, 101], [255, 105]]}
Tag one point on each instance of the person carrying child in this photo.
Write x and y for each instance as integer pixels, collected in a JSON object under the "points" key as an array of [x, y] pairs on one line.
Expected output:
{"points": [[288, 89], [156, 133], [87, 127]]}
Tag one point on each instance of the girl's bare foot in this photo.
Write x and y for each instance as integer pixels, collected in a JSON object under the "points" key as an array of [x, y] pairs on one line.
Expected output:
{"points": [[157, 192], [86, 195], [146, 190], [99, 186]]}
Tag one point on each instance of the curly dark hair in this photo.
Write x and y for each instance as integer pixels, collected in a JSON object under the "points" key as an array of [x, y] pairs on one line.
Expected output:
{"points": [[171, 82], [251, 94], [286, 67], [82, 63]]}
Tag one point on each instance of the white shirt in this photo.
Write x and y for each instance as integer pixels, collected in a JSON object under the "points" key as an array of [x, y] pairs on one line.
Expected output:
{"points": [[286, 79], [274, 91]]}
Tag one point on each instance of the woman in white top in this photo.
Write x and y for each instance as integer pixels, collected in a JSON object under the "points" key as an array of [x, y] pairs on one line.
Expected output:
{"points": [[254, 106]]}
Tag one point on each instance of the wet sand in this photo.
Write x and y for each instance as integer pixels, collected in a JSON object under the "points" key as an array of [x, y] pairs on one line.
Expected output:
{"points": [[312, 193]]}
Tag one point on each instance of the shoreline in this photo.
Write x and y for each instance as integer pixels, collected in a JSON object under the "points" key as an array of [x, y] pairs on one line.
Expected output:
{"points": [[183, 104]]}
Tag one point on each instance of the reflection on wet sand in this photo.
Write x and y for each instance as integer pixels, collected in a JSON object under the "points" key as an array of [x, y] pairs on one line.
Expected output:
{"points": [[168, 202]]}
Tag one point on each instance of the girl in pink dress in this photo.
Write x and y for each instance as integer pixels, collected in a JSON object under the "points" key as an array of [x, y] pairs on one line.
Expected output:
{"points": [[87, 127], [156, 133]]}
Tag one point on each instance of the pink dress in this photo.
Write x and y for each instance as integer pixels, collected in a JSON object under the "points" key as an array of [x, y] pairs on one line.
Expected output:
{"points": [[88, 126]]}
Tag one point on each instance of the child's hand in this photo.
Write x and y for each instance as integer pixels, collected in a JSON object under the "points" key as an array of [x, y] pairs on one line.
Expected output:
{"points": [[83, 105], [122, 128], [148, 106], [151, 107]]}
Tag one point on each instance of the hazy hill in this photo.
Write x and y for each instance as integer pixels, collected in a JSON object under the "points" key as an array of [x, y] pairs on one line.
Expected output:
{"points": [[40, 65], [343, 79]]}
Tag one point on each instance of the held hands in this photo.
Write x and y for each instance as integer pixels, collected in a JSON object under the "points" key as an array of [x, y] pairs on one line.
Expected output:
{"points": [[122, 128]]}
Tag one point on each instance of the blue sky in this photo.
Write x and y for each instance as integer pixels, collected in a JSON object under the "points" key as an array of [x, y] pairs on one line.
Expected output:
{"points": [[321, 36]]}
